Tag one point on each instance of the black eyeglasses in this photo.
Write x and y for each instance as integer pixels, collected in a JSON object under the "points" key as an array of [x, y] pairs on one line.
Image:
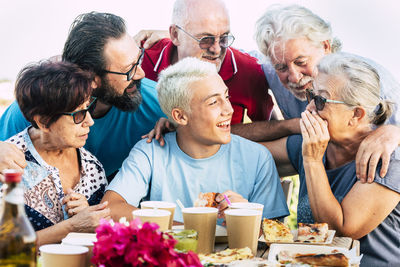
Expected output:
{"points": [[80, 115], [320, 101], [130, 73], [206, 42]]}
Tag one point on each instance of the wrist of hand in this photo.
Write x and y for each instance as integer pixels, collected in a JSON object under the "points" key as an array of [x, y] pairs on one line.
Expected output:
{"points": [[312, 161]]}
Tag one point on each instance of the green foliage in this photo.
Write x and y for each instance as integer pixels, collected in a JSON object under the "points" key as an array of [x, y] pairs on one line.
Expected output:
{"points": [[292, 218]]}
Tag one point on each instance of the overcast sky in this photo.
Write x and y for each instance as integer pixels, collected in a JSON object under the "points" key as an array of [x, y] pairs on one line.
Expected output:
{"points": [[34, 30]]}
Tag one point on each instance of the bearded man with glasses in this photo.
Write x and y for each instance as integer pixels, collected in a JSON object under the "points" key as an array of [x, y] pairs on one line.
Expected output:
{"points": [[127, 105], [201, 29]]}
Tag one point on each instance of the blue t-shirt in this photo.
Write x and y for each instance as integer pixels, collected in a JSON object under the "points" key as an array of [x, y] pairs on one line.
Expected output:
{"points": [[167, 174], [112, 136], [381, 247]]}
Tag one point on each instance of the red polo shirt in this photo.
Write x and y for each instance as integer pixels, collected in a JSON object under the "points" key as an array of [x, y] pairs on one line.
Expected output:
{"points": [[241, 73]]}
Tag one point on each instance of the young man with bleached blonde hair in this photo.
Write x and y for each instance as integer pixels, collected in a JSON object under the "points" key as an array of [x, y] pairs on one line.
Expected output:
{"points": [[201, 156]]}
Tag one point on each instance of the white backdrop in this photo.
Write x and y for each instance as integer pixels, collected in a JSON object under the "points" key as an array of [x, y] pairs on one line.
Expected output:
{"points": [[33, 30]]}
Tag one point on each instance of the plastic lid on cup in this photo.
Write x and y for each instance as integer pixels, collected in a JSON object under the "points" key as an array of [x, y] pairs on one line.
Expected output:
{"points": [[151, 212], [247, 205], [243, 212], [200, 210], [158, 204]]}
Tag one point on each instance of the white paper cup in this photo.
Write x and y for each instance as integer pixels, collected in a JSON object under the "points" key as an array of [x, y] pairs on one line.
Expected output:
{"points": [[81, 241], [63, 255], [247, 205], [160, 217], [243, 226], [203, 220], [163, 205]]}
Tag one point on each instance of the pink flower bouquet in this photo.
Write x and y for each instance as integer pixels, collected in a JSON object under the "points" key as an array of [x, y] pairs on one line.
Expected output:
{"points": [[135, 244]]}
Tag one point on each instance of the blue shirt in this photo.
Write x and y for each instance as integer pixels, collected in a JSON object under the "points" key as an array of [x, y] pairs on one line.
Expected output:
{"points": [[381, 247], [112, 136], [167, 174]]}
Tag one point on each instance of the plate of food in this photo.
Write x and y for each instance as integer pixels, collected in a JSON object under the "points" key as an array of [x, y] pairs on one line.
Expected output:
{"points": [[282, 254], [226, 257], [314, 234]]}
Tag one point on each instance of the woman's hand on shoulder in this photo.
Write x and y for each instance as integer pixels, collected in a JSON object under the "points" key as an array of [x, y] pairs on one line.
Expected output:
{"points": [[315, 136]]}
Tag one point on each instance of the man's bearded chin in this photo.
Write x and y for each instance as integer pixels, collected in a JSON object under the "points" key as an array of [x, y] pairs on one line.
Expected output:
{"points": [[300, 94], [125, 102]]}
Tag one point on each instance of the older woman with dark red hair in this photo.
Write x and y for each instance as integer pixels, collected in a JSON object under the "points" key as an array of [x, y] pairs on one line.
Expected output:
{"points": [[63, 182]]}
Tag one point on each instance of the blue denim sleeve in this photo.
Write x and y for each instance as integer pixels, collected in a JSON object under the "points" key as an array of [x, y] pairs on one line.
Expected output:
{"points": [[12, 122]]}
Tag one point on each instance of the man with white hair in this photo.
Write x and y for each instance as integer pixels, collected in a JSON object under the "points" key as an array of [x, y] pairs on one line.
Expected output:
{"points": [[201, 29], [294, 39], [201, 156]]}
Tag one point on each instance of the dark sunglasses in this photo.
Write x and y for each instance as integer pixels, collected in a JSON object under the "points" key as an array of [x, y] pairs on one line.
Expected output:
{"points": [[206, 42], [80, 115], [130, 73], [319, 101]]}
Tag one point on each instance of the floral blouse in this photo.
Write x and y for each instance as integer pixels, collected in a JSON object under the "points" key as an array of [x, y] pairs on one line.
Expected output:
{"points": [[43, 192]]}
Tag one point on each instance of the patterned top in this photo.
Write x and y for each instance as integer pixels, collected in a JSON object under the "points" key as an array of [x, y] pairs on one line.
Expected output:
{"points": [[43, 192]]}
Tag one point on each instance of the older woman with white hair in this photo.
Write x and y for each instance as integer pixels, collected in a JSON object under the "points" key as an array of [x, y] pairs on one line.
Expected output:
{"points": [[343, 109]]}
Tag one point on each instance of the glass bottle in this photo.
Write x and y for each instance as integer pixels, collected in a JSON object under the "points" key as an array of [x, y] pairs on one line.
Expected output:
{"points": [[17, 236]]}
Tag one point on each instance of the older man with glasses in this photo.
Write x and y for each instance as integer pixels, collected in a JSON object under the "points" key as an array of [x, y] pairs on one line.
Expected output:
{"points": [[201, 29]]}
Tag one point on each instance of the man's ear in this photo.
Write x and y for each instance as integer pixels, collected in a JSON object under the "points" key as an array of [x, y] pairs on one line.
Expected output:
{"points": [[358, 114], [40, 124], [179, 116], [173, 34], [96, 82], [327, 46]]}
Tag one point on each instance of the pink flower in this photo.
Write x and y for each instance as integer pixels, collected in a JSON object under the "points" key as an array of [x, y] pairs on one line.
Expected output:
{"points": [[137, 244]]}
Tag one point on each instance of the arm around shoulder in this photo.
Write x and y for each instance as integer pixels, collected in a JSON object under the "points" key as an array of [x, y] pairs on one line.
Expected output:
{"points": [[261, 131]]}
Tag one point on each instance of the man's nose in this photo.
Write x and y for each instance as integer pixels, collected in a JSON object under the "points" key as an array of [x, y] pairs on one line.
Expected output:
{"points": [[216, 48], [227, 109], [139, 73], [294, 75]]}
